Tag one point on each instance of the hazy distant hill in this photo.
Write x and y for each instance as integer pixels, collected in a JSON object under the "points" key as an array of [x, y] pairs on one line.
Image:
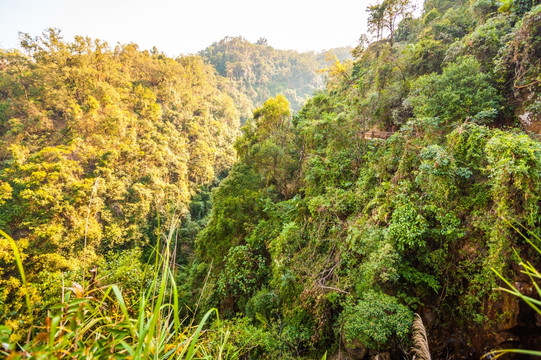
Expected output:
{"points": [[261, 71]]}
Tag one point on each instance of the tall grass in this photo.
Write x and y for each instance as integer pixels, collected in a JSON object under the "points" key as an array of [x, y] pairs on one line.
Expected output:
{"points": [[535, 277], [95, 322]]}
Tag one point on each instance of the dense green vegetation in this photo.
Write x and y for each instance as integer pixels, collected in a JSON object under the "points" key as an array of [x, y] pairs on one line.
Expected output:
{"points": [[260, 71], [397, 189], [334, 239], [134, 133]]}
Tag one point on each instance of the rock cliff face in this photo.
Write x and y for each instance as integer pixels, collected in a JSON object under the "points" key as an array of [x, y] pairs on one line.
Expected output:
{"points": [[528, 110], [516, 325], [530, 121]]}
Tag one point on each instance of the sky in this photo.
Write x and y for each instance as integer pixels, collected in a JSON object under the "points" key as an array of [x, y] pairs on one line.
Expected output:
{"points": [[178, 27]]}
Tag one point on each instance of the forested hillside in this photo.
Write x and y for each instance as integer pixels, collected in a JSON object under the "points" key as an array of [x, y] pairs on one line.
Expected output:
{"points": [[335, 237], [96, 144], [136, 208], [260, 71]]}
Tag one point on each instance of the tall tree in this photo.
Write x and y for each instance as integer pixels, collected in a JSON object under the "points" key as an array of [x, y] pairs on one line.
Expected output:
{"points": [[395, 10], [387, 16], [376, 20]]}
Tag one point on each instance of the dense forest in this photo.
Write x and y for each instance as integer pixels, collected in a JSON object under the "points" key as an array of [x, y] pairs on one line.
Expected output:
{"points": [[135, 133], [394, 214], [260, 71]]}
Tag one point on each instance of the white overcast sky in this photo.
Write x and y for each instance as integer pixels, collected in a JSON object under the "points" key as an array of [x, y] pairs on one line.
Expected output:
{"points": [[187, 26]]}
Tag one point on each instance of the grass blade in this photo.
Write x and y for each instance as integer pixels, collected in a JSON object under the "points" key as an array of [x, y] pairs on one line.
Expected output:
{"points": [[19, 262]]}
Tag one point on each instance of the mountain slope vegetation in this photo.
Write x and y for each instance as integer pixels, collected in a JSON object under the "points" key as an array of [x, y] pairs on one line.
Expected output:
{"points": [[334, 238], [260, 71], [132, 132], [396, 189]]}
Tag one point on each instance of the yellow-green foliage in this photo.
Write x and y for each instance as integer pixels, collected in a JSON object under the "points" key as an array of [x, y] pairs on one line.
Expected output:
{"points": [[95, 142]]}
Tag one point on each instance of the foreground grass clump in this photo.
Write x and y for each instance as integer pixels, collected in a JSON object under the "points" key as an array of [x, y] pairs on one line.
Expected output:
{"points": [[96, 322], [533, 301]]}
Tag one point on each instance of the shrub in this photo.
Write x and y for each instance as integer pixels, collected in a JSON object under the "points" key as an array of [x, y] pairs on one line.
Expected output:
{"points": [[376, 320], [466, 92]]}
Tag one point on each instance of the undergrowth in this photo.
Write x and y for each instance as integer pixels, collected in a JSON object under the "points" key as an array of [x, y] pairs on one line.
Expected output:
{"points": [[97, 322]]}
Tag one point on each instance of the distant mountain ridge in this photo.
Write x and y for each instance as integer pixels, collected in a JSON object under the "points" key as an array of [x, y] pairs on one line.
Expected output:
{"points": [[261, 71]]}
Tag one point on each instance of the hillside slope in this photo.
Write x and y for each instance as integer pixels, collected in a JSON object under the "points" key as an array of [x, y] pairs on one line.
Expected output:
{"points": [[260, 71], [134, 133], [322, 236], [334, 240]]}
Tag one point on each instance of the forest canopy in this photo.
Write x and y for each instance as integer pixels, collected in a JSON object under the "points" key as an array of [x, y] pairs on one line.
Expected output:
{"points": [[260, 71], [134, 132], [317, 218]]}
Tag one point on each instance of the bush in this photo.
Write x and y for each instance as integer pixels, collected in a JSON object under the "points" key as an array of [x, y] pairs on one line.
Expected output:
{"points": [[466, 92], [244, 271], [376, 320]]}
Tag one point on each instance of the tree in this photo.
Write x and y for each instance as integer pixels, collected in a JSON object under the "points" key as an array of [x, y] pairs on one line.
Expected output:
{"points": [[466, 92], [262, 41], [270, 144], [395, 10], [387, 15], [376, 15]]}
